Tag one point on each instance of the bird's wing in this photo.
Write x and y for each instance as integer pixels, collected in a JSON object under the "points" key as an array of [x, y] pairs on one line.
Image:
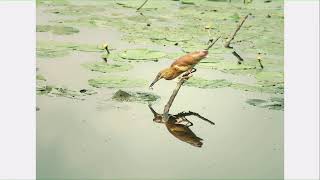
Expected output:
{"points": [[182, 68], [185, 60]]}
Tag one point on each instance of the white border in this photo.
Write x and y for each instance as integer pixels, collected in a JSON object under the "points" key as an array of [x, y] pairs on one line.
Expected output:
{"points": [[302, 90], [17, 94]]}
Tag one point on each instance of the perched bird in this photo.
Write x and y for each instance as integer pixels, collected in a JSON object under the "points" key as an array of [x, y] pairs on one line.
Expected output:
{"points": [[178, 129], [183, 64]]}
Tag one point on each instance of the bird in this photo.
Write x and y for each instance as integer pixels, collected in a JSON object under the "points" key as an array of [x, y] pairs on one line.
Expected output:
{"points": [[178, 128], [183, 64]]}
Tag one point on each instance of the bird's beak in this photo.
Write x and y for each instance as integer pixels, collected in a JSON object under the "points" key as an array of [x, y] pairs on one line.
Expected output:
{"points": [[155, 80]]}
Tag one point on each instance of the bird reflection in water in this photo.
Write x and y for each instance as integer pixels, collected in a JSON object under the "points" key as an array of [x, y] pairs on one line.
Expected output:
{"points": [[179, 126]]}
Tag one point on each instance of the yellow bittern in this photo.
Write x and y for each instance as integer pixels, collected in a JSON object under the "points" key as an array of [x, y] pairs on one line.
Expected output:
{"points": [[183, 64]]}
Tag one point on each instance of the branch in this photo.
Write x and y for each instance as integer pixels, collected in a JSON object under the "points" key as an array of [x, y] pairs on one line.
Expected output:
{"points": [[152, 110], [240, 59], [173, 96], [227, 44], [190, 113], [142, 5], [213, 43]]}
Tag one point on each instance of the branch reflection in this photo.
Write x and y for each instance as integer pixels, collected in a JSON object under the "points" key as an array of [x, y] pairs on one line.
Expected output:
{"points": [[179, 126]]}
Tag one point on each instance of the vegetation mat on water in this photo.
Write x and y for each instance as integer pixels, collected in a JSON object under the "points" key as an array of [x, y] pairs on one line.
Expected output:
{"points": [[116, 82], [51, 49], [141, 97], [274, 103], [142, 54], [273, 88], [106, 67], [57, 29], [59, 91]]}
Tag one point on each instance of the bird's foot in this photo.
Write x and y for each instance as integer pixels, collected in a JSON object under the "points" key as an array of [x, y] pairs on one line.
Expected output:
{"points": [[189, 73], [186, 76]]}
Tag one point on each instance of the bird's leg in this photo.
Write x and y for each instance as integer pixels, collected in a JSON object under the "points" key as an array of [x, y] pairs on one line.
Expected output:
{"points": [[189, 72], [186, 76]]}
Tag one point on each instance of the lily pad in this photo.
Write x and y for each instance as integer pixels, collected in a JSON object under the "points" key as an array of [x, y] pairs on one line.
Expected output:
{"points": [[107, 68], [56, 2], [142, 54], [43, 89], [60, 30], [43, 28], [255, 102], [58, 49], [272, 89], [274, 103], [270, 76], [190, 2], [116, 82], [51, 53], [204, 83], [74, 9], [40, 77], [226, 66], [141, 97], [55, 91]]}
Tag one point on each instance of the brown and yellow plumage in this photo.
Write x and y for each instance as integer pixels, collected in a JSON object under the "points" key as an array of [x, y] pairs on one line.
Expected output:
{"points": [[181, 65]]}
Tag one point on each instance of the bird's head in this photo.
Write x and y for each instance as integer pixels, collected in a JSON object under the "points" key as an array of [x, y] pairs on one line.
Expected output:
{"points": [[198, 55], [158, 119], [165, 73], [202, 54]]}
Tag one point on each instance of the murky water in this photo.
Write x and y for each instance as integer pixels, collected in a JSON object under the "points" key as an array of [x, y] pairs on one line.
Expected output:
{"points": [[103, 139]]}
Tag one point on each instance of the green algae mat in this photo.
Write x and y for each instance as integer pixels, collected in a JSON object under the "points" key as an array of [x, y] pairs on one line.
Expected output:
{"points": [[140, 97], [106, 67], [116, 82]]}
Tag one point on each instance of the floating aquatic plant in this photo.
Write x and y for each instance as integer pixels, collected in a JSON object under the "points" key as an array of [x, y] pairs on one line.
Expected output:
{"points": [[57, 29], [141, 97], [227, 66], [274, 103], [142, 54], [116, 82], [106, 67], [58, 49], [204, 83], [56, 91]]}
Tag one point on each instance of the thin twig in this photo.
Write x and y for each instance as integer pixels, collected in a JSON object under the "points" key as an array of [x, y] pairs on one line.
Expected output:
{"points": [[213, 43], [190, 113], [240, 59], [227, 44], [259, 60], [152, 110], [172, 97], [142, 5]]}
